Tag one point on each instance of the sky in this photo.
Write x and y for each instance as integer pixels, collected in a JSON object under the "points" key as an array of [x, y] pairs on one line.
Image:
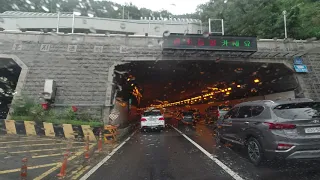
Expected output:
{"points": [[173, 6]]}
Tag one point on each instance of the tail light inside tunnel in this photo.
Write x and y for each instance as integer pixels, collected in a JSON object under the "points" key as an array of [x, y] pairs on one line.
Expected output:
{"points": [[280, 126], [161, 119], [143, 119]]}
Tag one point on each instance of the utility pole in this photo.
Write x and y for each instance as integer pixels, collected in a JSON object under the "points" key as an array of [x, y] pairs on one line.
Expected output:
{"points": [[209, 25], [285, 23], [122, 12], [73, 18], [58, 23]]}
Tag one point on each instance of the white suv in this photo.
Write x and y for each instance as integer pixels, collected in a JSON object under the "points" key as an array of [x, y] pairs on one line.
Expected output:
{"points": [[153, 120]]}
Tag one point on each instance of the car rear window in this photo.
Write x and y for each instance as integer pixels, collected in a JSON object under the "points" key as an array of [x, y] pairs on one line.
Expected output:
{"points": [[187, 113], [224, 108], [212, 108], [306, 110], [152, 113]]}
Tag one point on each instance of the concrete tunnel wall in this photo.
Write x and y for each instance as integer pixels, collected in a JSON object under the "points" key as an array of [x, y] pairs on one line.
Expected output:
{"points": [[82, 65]]}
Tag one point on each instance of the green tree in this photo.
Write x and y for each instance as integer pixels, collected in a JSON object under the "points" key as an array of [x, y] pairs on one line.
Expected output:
{"points": [[264, 18]]}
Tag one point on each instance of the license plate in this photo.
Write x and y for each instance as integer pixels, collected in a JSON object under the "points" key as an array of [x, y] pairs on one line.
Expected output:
{"points": [[312, 130]]}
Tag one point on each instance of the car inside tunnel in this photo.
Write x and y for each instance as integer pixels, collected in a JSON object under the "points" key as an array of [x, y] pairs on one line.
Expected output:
{"points": [[9, 75], [182, 83]]}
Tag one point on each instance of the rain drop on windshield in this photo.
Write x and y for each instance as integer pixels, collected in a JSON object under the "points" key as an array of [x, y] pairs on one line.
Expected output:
{"points": [[206, 34], [115, 8], [150, 44], [166, 33], [92, 30], [45, 8]]}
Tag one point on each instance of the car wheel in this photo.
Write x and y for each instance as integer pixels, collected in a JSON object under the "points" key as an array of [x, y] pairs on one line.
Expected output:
{"points": [[254, 151]]}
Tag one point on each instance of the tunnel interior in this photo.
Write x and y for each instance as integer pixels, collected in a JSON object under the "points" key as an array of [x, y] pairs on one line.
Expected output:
{"points": [[9, 75], [161, 82]]}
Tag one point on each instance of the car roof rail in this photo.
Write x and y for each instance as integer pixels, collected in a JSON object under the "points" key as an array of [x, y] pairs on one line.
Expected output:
{"points": [[295, 99], [270, 101]]}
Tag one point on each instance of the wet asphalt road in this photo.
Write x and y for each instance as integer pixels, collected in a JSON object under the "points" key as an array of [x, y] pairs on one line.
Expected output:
{"points": [[168, 155]]}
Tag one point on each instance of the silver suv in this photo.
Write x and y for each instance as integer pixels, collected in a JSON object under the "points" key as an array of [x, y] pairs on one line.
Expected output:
{"points": [[273, 129]]}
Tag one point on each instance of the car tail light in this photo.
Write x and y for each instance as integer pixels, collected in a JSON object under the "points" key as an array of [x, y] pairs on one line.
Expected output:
{"points": [[143, 119], [280, 126], [162, 118], [284, 146]]}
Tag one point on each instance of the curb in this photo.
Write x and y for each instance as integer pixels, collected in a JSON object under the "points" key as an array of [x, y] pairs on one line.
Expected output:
{"points": [[32, 128]]}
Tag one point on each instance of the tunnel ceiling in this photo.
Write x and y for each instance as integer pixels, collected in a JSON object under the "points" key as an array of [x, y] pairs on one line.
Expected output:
{"points": [[178, 80]]}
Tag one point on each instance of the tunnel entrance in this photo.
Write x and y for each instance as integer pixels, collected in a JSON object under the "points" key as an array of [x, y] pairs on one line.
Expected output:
{"points": [[187, 83], [9, 75]]}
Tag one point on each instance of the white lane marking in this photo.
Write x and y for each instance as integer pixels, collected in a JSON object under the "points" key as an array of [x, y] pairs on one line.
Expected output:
{"points": [[96, 167], [217, 161]]}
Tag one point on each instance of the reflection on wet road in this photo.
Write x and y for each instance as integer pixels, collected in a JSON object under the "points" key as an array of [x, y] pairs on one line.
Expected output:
{"points": [[160, 156], [168, 155]]}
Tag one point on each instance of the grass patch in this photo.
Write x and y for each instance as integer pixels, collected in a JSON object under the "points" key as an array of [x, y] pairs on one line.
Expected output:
{"points": [[62, 121]]}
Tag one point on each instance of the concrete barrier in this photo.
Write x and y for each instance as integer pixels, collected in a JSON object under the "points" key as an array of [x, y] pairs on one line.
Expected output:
{"points": [[32, 128]]}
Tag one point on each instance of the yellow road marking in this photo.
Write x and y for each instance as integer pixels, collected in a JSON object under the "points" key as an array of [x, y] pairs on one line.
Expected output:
{"points": [[15, 137], [40, 150], [59, 165], [31, 167], [47, 155], [22, 141], [31, 145], [77, 170], [80, 173]]}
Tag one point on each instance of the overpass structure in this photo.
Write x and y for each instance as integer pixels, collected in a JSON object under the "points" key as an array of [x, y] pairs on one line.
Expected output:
{"points": [[83, 65], [33, 21]]}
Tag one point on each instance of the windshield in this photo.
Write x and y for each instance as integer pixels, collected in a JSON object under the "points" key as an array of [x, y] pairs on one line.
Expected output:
{"points": [[293, 111], [187, 113], [152, 113]]}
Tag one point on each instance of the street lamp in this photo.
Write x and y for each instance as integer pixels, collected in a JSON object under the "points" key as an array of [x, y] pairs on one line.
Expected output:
{"points": [[285, 23]]}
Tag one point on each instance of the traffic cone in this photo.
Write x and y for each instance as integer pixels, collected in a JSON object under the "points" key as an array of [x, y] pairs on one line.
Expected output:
{"points": [[24, 168], [100, 142], [63, 166]]}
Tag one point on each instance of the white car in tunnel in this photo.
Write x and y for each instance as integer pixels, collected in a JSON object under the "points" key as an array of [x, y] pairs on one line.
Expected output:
{"points": [[152, 119]]}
